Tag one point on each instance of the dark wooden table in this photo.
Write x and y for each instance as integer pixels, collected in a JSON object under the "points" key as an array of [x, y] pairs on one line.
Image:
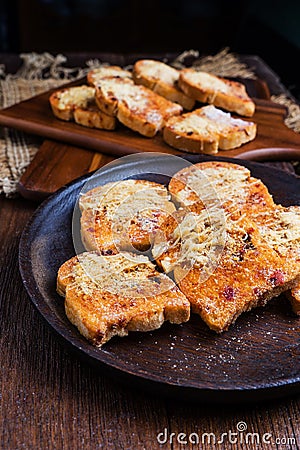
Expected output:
{"points": [[49, 399]]}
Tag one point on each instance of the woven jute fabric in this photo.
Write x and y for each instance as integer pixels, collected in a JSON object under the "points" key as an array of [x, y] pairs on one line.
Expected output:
{"points": [[38, 73], [41, 72]]}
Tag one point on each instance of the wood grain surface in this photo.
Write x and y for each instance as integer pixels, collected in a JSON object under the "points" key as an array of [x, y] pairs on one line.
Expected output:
{"points": [[51, 400], [56, 164]]}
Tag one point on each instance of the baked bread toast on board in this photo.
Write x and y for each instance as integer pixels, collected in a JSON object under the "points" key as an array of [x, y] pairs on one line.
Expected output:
{"points": [[108, 296], [95, 75], [136, 107], [162, 79], [208, 88], [206, 130], [78, 104], [123, 215]]}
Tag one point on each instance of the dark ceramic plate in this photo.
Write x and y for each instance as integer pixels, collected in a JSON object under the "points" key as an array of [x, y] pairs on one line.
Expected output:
{"points": [[258, 358]]}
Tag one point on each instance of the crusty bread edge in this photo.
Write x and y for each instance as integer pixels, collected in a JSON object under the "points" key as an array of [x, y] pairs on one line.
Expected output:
{"points": [[190, 144], [229, 102], [94, 119]]}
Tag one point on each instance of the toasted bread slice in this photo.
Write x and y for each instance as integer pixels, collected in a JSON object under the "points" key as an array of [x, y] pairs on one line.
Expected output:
{"points": [[108, 296], [190, 132], [248, 272], [91, 117], [123, 215], [96, 75], [207, 129], [208, 88], [78, 103], [209, 185], [280, 228], [110, 91], [232, 132], [218, 182], [137, 107], [162, 79], [223, 264]]}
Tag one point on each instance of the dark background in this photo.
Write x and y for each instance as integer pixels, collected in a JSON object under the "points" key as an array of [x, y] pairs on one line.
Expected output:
{"points": [[268, 28]]}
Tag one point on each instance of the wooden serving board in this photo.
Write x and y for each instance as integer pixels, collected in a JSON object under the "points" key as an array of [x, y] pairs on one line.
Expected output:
{"points": [[57, 163], [35, 116]]}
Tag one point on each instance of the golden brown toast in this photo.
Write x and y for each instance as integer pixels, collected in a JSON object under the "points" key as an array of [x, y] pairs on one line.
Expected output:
{"points": [[218, 182], [232, 132], [123, 215], [206, 130], [209, 88], [162, 79], [137, 107], [108, 296], [258, 232], [280, 228], [229, 246], [233, 183], [95, 75], [191, 132], [78, 103], [248, 272]]}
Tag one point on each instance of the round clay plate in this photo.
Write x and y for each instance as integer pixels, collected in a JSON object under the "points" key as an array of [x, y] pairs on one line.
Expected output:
{"points": [[258, 358]]}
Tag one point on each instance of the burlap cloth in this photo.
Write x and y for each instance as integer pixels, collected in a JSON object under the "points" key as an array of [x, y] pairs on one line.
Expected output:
{"points": [[41, 72]]}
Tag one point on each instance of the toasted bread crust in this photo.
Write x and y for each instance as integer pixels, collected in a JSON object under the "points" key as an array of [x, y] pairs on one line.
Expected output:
{"points": [[232, 132], [247, 274], [135, 106], [192, 144], [95, 75], [208, 88], [139, 122], [78, 104], [99, 314], [65, 276], [207, 129], [109, 226], [228, 182], [277, 225], [94, 118], [109, 91], [162, 79]]}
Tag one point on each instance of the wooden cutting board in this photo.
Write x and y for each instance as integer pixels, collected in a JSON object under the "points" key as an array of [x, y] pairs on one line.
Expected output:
{"points": [[56, 164], [69, 150], [35, 116]]}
